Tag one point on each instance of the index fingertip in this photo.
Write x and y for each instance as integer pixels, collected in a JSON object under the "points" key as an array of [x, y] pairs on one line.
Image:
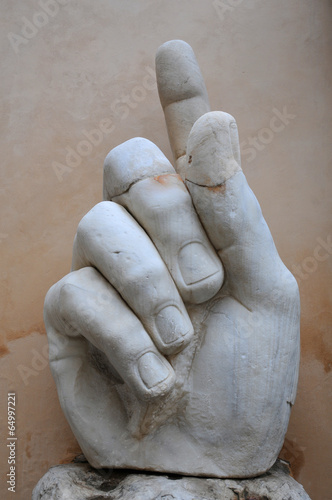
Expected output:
{"points": [[178, 74]]}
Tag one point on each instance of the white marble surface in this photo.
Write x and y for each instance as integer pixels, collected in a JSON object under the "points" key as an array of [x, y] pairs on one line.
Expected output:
{"points": [[80, 482], [174, 341]]}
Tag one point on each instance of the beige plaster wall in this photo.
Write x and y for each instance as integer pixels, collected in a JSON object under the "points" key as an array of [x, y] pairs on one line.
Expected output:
{"points": [[63, 79]]}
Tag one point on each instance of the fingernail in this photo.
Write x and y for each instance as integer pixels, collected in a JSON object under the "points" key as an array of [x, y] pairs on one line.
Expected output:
{"points": [[172, 325], [152, 369], [196, 264]]}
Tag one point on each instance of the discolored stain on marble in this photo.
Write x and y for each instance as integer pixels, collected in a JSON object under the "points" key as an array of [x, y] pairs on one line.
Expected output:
{"points": [[293, 453], [317, 339], [4, 350], [36, 328]]}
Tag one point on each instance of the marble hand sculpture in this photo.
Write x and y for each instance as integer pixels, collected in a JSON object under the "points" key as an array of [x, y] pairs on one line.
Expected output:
{"points": [[174, 340]]}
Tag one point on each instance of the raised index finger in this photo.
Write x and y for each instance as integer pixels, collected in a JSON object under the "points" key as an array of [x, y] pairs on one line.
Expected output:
{"points": [[182, 93]]}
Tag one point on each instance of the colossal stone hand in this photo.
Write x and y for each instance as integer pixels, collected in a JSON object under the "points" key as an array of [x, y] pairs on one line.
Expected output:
{"points": [[174, 341]]}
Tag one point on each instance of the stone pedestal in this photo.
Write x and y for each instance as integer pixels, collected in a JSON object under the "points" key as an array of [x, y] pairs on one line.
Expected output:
{"points": [[79, 481]]}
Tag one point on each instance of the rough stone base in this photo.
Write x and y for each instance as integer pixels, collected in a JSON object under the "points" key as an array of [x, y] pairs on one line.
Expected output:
{"points": [[79, 481]]}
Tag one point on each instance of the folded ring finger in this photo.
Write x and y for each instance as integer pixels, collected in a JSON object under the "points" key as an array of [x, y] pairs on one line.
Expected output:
{"points": [[110, 240]]}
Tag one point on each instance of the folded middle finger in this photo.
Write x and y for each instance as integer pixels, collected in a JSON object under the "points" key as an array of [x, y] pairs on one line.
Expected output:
{"points": [[138, 176]]}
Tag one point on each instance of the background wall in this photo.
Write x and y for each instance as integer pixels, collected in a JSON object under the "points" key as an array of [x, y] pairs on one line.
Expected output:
{"points": [[72, 67]]}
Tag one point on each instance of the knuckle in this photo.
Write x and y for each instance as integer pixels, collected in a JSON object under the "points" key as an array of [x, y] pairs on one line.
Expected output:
{"points": [[286, 290], [154, 270], [57, 301], [49, 303], [91, 221], [291, 287], [66, 290]]}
